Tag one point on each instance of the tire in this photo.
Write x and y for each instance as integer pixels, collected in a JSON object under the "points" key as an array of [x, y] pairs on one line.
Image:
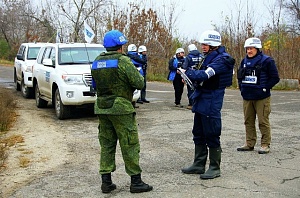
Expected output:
{"points": [[17, 86], [26, 91], [40, 103], [62, 111]]}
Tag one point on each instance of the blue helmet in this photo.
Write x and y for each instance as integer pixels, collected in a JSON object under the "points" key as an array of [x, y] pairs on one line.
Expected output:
{"points": [[114, 38]]}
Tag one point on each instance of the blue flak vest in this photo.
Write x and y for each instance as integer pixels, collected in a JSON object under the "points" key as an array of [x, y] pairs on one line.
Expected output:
{"points": [[173, 73], [103, 64]]}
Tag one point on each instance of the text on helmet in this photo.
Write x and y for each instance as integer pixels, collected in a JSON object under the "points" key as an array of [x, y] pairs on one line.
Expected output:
{"points": [[122, 38], [212, 36]]}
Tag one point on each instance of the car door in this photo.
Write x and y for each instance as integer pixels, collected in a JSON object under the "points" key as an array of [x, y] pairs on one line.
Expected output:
{"points": [[49, 72], [18, 63], [46, 72]]}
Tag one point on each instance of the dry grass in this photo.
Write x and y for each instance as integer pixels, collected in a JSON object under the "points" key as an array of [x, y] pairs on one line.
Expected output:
{"points": [[3, 155], [7, 118], [7, 109], [12, 140], [6, 62], [24, 161]]}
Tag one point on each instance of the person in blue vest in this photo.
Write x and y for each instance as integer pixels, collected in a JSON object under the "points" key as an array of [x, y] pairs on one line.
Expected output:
{"points": [[210, 81], [115, 78], [137, 61], [257, 75], [142, 50], [193, 59], [177, 62]]}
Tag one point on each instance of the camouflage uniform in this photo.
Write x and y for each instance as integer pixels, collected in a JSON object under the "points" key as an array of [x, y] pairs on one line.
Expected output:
{"points": [[115, 86]]}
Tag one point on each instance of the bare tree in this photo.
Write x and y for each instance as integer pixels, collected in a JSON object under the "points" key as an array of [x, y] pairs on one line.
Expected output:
{"points": [[293, 10], [73, 13], [143, 26], [15, 26]]}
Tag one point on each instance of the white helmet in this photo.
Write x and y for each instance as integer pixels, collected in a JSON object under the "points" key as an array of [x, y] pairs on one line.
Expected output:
{"points": [[192, 47], [142, 48], [253, 42], [179, 50], [211, 37], [131, 48]]}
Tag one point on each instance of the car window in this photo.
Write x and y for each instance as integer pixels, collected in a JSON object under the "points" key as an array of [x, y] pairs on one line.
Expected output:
{"points": [[21, 49], [52, 55], [78, 55], [32, 53], [41, 55]]}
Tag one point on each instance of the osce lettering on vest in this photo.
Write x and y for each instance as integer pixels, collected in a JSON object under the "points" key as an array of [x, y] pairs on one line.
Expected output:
{"points": [[103, 64], [250, 80]]}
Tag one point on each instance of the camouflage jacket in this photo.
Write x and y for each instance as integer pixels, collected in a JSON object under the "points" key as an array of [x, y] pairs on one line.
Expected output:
{"points": [[115, 83]]}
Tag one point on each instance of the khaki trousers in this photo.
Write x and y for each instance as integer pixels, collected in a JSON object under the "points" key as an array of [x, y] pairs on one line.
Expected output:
{"points": [[261, 108]]}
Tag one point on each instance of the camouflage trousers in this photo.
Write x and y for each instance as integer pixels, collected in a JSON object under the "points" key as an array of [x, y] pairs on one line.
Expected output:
{"points": [[123, 128]]}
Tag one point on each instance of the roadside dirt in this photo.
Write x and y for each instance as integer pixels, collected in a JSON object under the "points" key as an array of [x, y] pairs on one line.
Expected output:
{"points": [[65, 154], [42, 137]]}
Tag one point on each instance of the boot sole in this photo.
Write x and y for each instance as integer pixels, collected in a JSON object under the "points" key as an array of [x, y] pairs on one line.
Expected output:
{"points": [[109, 189], [194, 172], [209, 177], [141, 191]]}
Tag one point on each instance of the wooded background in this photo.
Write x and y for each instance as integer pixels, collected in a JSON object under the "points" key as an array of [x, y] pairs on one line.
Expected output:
{"points": [[152, 26]]}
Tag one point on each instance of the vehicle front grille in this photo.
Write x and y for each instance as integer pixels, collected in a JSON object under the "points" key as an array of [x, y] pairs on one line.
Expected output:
{"points": [[87, 79]]}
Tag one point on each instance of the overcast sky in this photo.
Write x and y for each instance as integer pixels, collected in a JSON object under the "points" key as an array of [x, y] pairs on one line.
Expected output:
{"points": [[196, 16], [199, 15]]}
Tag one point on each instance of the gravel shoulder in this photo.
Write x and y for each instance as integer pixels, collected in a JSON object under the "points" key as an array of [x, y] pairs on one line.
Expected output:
{"points": [[65, 154], [45, 146]]}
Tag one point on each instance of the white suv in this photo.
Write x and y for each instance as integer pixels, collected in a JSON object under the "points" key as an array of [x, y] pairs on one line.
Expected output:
{"points": [[62, 76], [24, 61]]}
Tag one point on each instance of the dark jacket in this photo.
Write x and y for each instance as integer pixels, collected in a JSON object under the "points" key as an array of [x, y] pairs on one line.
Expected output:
{"points": [[136, 59], [257, 76], [212, 79], [192, 59], [175, 63]]}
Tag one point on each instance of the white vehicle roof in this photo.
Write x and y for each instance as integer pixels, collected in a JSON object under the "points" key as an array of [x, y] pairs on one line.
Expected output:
{"points": [[61, 45], [34, 44]]}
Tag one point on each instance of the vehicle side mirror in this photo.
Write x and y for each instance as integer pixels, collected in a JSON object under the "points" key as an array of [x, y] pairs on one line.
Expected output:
{"points": [[48, 62], [20, 57]]}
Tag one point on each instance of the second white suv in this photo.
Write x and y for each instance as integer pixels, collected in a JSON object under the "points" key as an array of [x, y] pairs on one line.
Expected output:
{"points": [[24, 61], [62, 76]]}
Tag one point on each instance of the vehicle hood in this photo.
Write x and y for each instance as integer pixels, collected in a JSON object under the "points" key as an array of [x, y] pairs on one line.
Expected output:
{"points": [[76, 69]]}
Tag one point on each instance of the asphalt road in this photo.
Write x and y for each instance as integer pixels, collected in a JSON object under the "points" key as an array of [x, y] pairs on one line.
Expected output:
{"points": [[166, 147]]}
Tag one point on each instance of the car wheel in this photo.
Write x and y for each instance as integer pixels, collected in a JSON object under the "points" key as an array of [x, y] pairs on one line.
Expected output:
{"points": [[40, 103], [62, 111], [17, 86], [26, 91]]}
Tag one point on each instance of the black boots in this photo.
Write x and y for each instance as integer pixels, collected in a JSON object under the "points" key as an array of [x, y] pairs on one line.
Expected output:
{"points": [[107, 185], [138, 186], [214, 164], [198, 167]]}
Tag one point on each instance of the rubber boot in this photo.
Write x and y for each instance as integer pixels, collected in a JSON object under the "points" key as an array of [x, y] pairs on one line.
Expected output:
{"points": [[214, 164], [138, 186], [107, 185], [198, 167]]}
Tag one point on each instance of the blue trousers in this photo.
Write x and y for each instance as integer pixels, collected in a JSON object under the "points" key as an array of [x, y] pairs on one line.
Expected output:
{"points": [[206, 130]]}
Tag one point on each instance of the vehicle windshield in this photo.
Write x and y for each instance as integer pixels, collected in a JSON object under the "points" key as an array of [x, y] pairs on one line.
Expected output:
{"points": [[78, 55], [32, 53]]}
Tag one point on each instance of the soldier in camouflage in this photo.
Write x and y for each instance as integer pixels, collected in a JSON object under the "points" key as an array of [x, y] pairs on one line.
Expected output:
{"points": [[115, 78]]}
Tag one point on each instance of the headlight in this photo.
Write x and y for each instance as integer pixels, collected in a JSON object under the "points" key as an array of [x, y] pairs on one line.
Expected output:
{"points": [[73, 79]]}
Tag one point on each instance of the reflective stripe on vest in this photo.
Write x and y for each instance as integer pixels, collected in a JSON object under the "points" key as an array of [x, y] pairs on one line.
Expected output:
{"points": [[105, 64]]}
